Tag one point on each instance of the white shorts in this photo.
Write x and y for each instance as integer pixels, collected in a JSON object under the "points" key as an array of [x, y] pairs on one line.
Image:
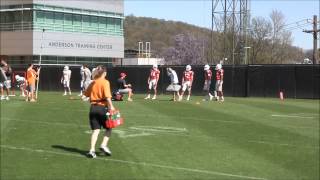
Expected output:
{"points": [[66, 84], [86, 84], [219, 85], [7, 84], [124, 91], [81, 84], [153, 84], [207, 84], [186, 85], [21, 84]]}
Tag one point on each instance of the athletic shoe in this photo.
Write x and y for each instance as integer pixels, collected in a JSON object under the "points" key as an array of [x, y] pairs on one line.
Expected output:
{"points": [[154, 97], [32, 100], [106, 150], [148, 97], [91, 154], [3, 98], [210, 97], [129, 99], [7, 98], [180, 98], [64, 94]]}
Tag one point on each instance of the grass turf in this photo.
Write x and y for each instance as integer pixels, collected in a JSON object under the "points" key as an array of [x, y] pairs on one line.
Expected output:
{"points": [[242, 138]]}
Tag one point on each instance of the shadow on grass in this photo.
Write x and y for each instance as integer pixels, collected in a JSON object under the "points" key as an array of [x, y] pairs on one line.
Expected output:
{"points": [[70, 149]]}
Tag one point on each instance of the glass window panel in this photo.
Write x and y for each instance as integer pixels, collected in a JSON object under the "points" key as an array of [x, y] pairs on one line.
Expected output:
{"points": [[102, 22], [2, 17], [117, 23], [110, 23], [17, 16], [40, 16], [86, 20], [27, 16], [49, 17], [68, 19], [94, 21], [58, 18], [77, 20], [27, 5]]}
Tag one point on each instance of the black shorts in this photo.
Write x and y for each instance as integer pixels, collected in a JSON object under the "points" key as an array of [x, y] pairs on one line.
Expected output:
{"points": [[97, 117]]}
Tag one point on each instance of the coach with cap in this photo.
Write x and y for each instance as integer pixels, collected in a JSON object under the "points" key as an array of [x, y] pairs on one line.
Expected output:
{"points": [[123, 87]]}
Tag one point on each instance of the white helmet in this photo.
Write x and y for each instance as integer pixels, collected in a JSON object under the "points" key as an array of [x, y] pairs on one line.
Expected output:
{"points": [[66, 68], [155, 66], [206, 67], [188, 67], [218, 66]]}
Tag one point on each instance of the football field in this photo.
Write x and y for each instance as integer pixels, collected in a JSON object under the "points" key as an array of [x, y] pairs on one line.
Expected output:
{"points": [[242, 138]]}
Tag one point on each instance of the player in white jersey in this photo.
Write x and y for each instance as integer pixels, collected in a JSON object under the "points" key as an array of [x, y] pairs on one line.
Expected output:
{"points": [[207, 82], [187, 80], [174, 86], [87, 77], [82, 80], [21, 83], [65, 80]]}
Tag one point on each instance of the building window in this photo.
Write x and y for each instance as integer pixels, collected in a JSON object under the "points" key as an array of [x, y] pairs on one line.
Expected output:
{"points": [[68, 21]]}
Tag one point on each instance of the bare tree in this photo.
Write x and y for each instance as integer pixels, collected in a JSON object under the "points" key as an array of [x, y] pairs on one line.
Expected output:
{"points": [[261, 32], [281, 37], [187, 50]]}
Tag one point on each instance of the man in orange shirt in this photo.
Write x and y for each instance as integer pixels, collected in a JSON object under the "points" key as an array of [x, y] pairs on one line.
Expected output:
{"points": [[99, 94], [31, 82]]}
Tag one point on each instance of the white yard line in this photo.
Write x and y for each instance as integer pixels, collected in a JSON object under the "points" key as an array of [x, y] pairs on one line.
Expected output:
{"points": [[291, 116], [137, 163]]}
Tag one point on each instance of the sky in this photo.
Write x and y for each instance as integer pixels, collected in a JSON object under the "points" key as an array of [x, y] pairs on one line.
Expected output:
{"points": [[198, 12]]}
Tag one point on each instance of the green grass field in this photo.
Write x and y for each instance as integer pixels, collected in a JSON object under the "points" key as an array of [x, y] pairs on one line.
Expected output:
{"points": [[242, 138]]}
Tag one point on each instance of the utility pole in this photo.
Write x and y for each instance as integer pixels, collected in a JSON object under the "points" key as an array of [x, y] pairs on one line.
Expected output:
{"points": [[315, 38]]}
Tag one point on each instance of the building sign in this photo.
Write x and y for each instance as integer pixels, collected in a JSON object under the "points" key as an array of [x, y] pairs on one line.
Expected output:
{"points": [[89, 46]]}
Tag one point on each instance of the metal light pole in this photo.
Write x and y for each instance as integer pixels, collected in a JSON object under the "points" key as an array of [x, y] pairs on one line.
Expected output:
{"points": [[40, 59]]}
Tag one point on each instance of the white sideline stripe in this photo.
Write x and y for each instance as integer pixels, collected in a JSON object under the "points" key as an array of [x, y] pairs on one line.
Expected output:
{"points": [[291, 116], [138, 163]]}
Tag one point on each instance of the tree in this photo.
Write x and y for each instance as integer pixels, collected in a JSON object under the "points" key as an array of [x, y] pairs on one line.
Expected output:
{"points": [[187, 49], [260, 34], [281, 38]]}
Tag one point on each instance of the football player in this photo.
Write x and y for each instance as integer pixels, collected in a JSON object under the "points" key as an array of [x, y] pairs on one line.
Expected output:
{"points": [[207, 82], [153, 81], [21, 83], [65, 79], [187, 80], [219, 82], [82, 80]]}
